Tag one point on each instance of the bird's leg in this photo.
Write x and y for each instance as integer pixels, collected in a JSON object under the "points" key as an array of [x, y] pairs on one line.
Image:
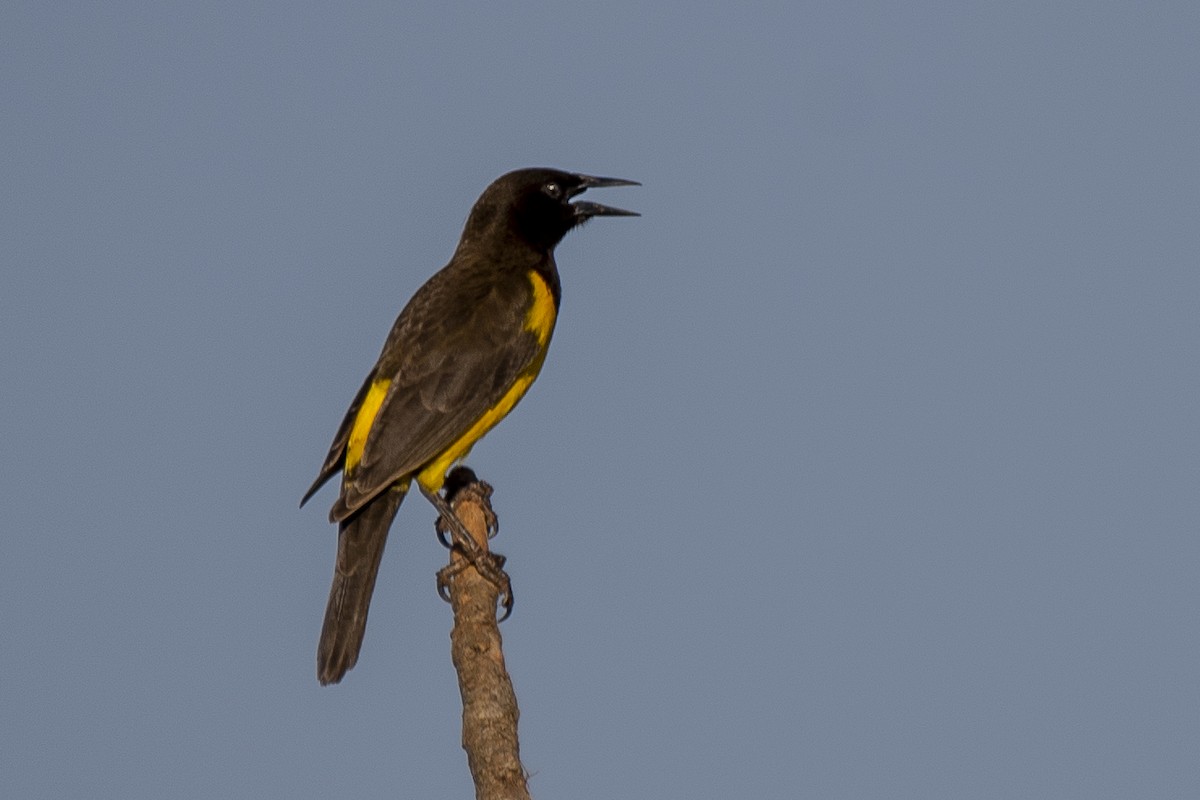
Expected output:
{"points": [[489, 518], [489, 565]]}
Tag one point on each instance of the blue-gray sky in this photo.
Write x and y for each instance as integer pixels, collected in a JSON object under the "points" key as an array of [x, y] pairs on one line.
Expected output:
{"points": [[864, 464]]}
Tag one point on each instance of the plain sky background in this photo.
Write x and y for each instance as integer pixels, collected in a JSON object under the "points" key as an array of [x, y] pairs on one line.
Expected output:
{"points": [[864, 464]]}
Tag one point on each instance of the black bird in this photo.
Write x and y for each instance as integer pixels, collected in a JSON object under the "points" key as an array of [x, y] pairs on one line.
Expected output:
{"points": [[462, 353]]}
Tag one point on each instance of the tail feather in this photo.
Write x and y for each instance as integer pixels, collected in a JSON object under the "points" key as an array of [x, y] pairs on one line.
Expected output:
{"points": [[361, 539]]}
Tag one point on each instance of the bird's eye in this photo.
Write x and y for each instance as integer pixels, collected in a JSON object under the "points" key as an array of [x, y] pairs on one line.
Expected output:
{"points": [[553, 189]]}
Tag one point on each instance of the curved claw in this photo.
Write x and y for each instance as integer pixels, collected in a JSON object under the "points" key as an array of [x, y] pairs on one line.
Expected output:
{"points": [[506, 602], [442, 530], [443, 582]]}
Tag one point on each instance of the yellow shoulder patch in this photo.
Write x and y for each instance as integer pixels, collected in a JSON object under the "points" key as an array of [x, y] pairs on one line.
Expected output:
{"points": [[539, 319], [363, 421]]}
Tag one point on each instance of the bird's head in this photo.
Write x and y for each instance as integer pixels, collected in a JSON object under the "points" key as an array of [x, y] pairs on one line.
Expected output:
{"points": [[535, 205]]}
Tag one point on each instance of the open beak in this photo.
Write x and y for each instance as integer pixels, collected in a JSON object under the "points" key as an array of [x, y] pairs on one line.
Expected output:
{"points": [[585, 210]]}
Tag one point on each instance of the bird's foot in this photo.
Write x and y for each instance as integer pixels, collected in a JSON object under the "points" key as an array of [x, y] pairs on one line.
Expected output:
{"points": [[445, 534], [462, 479], [491, 567], [454, 535]]}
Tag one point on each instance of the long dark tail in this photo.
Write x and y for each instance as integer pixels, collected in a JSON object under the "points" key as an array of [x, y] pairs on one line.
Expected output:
{"points": [[360, 547]]}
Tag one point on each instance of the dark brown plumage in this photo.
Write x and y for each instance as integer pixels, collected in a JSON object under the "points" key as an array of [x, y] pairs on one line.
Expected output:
{"points": [[462, 353]]}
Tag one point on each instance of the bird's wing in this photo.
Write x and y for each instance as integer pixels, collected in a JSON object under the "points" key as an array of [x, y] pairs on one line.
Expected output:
{"points": [[450, 370], [335, 459]]}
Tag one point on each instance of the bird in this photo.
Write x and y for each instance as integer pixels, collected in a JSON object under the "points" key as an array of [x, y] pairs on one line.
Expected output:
{"points": [[462, 353]]}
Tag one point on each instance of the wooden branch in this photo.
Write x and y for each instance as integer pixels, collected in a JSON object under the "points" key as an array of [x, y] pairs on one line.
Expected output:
{"points": [[489, 705]]}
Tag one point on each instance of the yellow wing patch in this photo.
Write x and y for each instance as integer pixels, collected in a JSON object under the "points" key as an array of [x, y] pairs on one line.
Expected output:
{"points": [[363, 421]]}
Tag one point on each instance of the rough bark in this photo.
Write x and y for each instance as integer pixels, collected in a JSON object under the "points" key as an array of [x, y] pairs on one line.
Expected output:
{"points": [[489, 705]]}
